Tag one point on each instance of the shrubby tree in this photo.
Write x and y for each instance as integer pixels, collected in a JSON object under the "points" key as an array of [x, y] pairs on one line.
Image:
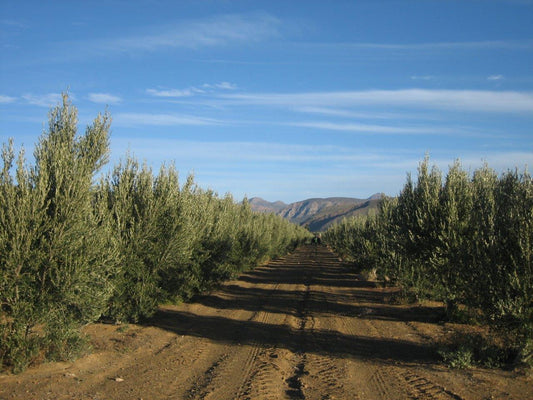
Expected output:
{"points": [[509, 302], [451, 263], [466, 242], [413, 223], [132, 204], [72, 251], [178, 241], [56, 247]]}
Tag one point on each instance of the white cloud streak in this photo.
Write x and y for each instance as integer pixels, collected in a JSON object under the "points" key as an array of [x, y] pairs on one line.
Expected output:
{"points": [[373, 129], [462, 100], [287, 169], [44, 100], [193, 90], [247, 152], [472, 45], [104, 98], [171, 92], [221, 85], [344, 113], [136, 119], [220, 30], [240, 154], [7, 99], [422, 77]]}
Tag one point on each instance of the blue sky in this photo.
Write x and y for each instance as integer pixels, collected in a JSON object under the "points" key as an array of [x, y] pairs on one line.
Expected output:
{"points": [[285, 100]]}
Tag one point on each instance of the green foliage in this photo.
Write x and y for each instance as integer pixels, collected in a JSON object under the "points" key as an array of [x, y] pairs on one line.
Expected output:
{"points": [[451, 255], [459, 358], [465, 241], [467, 350], [132, 203], [72, 251], [415, 219], [177, 242], [56, 248]]}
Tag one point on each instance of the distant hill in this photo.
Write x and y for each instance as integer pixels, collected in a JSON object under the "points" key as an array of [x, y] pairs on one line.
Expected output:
{"points": [[317, 214], [258, 204]]}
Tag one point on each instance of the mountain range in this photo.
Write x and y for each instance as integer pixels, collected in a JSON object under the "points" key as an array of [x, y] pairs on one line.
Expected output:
{"points": [[317, 214]]}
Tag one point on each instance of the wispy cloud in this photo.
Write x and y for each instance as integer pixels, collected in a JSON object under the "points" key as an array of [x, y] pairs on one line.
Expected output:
{"points": [[12, 23], [250, 152], [192, 90], [104, 98], [313, 160], [282, 170], [500, 161], [471, 100], [219, 30], [43, 100], [221, 85], [344, 113], [171, 92], [373, 129], [206, 33], [7, 99], [136, 119], [468, 45], [495, 77], [422, 77]]}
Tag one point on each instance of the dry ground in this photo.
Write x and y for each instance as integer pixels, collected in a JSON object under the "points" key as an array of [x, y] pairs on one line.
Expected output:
{"points": [[301, 327]]}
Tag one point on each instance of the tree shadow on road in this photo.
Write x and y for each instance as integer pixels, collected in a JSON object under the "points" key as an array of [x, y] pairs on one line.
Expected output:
{"points": [[334, 288], [331, 343], [235, 297], [303, 284]]}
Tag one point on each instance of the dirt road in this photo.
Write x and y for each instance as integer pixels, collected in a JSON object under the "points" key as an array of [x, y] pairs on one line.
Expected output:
{"points": [[302, 327]]}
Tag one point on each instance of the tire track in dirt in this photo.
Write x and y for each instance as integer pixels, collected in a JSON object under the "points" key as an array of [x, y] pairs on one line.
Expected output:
{"points": [[378, 380], [248, 371], [299, 360], [305, 326], [226, 375], [424, 388], [407, 378], [322, 378], [278, 369], [229, 375], [274, 367], [384, 379], [194, 366]]}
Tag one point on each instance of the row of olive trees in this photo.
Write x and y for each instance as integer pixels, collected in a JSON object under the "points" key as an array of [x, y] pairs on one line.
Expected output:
{"points": [[177, 241], [73, 250], [466, 240]]}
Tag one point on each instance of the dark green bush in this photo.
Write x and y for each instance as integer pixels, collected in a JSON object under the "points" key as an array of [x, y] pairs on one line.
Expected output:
{"points": [[474, 349], [72, 251], [468, 241], [57, 251]]}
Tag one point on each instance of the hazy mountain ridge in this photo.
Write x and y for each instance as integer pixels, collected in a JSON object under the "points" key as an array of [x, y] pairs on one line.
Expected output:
{"points": [[260, 205], [317, 213]]}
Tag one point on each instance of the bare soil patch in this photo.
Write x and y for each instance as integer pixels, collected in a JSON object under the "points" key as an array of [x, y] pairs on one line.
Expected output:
{"points": [[305, 326]]}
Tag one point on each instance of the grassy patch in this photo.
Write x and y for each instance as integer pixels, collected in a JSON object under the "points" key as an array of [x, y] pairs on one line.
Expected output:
{"points": [[123, 328], [475, 349]]}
